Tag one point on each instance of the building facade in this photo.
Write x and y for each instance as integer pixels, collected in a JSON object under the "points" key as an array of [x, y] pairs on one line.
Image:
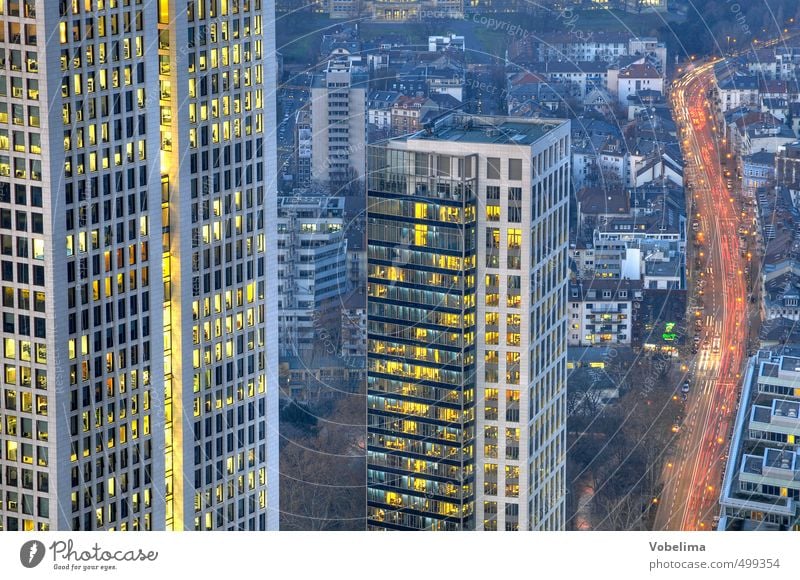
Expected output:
{"points": [[466, 326], [761, 486], [140, 390], [303, 140], [312, 266], [339, 125], [601, 311]]}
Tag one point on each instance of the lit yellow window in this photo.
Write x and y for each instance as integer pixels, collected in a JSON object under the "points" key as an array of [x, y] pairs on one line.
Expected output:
{"points": [[420, 235]]}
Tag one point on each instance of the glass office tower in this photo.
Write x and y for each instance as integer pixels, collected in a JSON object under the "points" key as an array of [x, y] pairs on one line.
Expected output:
{"points": [[466, 321], [421, 339]]}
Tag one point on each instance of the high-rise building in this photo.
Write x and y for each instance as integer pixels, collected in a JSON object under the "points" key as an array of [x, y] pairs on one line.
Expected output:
{"points": [[466, 326], [312, 267], [339, 125], [139, 386], [303, 141], [761, 485]]}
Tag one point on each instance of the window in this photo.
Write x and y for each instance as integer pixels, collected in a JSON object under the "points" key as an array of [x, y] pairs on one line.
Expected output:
{"points": [[515, 169], [492, 168]]}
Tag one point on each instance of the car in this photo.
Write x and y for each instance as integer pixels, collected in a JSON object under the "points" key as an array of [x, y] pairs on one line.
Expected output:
{"points": [[685, 387], [694, 350]]}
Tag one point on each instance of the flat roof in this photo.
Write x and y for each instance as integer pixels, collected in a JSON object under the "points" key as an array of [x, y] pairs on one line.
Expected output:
{"points": [[497, 130], [790, 363]]}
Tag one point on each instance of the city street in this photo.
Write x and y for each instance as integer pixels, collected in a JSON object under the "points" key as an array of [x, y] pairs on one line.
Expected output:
{"points": [[692, 477]]}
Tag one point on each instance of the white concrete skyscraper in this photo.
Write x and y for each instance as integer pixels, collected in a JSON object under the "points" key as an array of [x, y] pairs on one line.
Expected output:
{"points": [[137, 198]]}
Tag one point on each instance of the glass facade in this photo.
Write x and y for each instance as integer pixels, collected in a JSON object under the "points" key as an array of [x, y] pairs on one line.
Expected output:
{"points": [[467, 241], [421, 340]]}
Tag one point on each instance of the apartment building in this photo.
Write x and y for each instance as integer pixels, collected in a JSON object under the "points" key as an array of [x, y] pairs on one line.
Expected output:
{"points": [[601, 311], [339, 125]]}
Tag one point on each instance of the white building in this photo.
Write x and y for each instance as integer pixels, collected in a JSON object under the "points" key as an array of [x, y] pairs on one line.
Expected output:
{"points": [[581, 77], [451, 41], [467, 229], [632, 79], [601, 311], [737, 91], [354, 326], [304, 142], [339, 125], [758, 169], [379, 108], [312, 266], [140, 383], [615, 261], [761, 486], [598, 46]]}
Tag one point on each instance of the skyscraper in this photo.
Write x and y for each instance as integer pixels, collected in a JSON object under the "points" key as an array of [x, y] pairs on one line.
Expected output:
{"points": [[466, 305], [139, 388]]}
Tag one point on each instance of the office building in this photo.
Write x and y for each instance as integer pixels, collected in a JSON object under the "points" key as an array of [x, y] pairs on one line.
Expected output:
{"points": [[312, 267], [761, 485], [139, 384], [467, 326]]}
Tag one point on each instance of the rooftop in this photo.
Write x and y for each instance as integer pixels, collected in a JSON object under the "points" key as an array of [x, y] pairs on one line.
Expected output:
{"points": [[760, 158], [497, 130]]}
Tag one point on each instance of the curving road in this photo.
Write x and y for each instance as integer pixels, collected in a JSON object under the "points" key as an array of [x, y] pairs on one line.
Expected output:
{"points": [[692, 476]]}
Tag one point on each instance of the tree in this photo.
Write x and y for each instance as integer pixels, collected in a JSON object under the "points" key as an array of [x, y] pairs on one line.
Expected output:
{"points": [[322, 471]]}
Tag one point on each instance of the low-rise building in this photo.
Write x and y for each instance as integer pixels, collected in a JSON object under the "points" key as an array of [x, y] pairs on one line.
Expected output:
{"points": [[758, 170], [601, 311], [630, 80], [379, 108], [408, 114], [787, 168], [440, 43], [736, 90], [665, 274], [324, 377]]}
